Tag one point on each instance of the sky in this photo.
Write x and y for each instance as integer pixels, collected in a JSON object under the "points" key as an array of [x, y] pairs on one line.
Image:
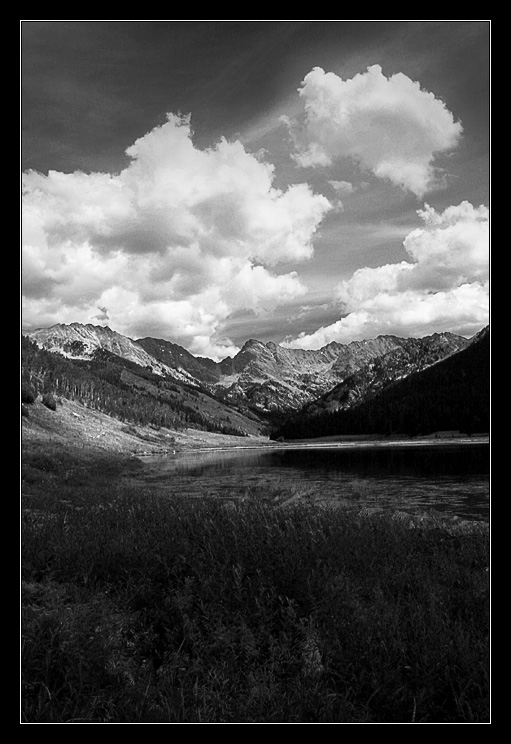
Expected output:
{"points": [[302, 182]]}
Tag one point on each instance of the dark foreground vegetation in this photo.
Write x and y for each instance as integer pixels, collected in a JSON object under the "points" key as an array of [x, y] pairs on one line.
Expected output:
{"points": [[144, 608]]}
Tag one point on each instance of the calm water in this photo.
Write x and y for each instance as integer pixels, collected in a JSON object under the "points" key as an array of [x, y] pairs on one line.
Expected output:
{"points": [[452, 478]]}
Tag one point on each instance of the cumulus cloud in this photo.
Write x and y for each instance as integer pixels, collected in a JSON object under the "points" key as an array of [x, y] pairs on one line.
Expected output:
{"points": [[390, 126], [443, 287], [171, 246]]}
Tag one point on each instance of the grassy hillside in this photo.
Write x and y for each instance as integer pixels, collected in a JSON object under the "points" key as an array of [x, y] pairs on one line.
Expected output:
{"points": [[128, 392]]}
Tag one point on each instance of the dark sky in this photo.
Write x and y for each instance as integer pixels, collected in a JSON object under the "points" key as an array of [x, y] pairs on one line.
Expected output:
{"points": [[91, 89]]}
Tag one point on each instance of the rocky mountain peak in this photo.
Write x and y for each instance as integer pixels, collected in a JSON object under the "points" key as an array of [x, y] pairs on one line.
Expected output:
{"points": [[84, 341], [266, 376]]}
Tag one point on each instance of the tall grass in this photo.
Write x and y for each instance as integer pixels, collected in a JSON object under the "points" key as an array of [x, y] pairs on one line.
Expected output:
{"points": [[146, 608]]}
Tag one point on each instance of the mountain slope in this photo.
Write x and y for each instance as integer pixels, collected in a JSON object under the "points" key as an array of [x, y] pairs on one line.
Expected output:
{"points": [[77, 341], [266, 379], [272, 379], [453, 393], [176, 357], [129, 392], [402, 359]]}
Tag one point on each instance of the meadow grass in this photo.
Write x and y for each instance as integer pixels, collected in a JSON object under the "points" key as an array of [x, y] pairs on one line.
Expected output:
{"points": [[144, 608]]}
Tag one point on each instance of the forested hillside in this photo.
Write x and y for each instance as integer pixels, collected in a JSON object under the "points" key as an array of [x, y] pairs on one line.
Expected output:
{"points": [[453, 394], [127, 391]]}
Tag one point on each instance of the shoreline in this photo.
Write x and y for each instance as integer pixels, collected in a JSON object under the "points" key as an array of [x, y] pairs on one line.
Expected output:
{"points": [[73, 425], [363, 443]]}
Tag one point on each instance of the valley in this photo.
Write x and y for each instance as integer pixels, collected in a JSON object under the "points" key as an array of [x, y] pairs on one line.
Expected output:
{"points": [[156, 382], [170, 545]]}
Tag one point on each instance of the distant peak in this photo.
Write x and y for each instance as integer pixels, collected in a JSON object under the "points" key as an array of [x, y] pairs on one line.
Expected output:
{"points": [[251, 342]]}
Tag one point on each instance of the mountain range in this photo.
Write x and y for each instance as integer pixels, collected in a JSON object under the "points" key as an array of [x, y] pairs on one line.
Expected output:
{"points": [[263, 383], [452, 394]]}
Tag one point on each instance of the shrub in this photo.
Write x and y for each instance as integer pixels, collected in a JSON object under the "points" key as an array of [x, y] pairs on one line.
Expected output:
{"points": [[50, 402], [27, 394]]}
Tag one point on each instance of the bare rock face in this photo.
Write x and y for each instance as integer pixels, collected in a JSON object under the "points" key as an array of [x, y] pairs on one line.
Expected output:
{"points": [[78, 341], [273, 378], [267, 378], [397, 361]]}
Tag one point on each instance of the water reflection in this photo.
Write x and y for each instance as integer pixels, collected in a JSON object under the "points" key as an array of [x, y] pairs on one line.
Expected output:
{"points": [[448, 478]]}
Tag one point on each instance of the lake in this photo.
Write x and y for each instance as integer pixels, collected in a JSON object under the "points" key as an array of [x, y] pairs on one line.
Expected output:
{"points": [[412, 477]]}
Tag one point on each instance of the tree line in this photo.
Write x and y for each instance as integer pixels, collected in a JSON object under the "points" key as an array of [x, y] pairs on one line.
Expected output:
{"points": [[115, 386], [453, 394]]}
